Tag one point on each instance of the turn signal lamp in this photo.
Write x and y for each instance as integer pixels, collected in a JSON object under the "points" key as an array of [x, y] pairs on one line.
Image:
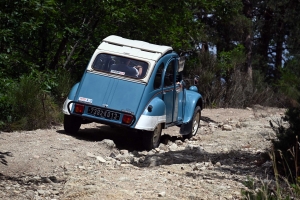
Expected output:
{"points": [[127, 119], [79, 108]]}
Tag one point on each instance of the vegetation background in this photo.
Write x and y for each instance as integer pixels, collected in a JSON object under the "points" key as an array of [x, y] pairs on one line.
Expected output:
{"points": [[246, 52]]}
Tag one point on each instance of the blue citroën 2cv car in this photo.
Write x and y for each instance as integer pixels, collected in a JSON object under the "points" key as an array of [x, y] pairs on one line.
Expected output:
{"points": [[136, 85]]}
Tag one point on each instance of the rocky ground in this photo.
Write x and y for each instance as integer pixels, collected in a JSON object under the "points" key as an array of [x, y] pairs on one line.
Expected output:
{"points": [[107, 163]]}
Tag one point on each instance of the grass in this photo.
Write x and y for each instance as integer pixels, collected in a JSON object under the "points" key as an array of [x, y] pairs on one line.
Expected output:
{"points": [[280, 187]]}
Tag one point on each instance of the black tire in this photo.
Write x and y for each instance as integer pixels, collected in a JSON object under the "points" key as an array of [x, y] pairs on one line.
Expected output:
{"points": [[195, 123], [72, 124], [151, 139]]}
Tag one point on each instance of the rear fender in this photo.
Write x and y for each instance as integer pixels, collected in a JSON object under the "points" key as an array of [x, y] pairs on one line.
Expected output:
{"points": [[154, 114], [73, 91], [70, 97]]}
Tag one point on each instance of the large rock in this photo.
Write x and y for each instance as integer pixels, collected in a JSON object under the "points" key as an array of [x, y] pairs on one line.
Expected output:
{"points": [[226, 127], [108, 143]]}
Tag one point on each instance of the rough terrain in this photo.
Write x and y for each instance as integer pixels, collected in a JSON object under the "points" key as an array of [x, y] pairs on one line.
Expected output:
{"points": [[107, 163]]}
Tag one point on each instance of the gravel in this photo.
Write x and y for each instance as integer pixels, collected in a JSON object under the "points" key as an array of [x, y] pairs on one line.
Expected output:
{"points": [[101, 162]]}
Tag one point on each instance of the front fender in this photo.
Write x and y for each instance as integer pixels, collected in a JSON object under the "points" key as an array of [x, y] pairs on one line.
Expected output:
{"points": [[70, 97], [154, 114], [193, 99]]}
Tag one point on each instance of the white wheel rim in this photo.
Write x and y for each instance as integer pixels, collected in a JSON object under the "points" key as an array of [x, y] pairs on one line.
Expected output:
{"points": [[196, 124]]}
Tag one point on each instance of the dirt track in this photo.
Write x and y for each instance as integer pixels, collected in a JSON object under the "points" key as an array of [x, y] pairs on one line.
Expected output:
{"points": [[105, 163]]}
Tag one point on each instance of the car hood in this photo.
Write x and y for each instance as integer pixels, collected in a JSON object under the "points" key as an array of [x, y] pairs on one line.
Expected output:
{"points": [[110, 92]]}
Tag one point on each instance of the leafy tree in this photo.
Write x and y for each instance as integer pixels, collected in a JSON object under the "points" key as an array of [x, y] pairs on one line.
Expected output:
{"points": [[276, 27]]}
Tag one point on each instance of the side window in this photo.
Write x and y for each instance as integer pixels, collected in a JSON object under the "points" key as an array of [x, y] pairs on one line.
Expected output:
{"points": [[169, 76], [157, 80]]}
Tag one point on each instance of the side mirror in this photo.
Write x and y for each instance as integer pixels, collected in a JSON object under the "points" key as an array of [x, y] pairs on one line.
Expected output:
{"points": [[196, 79]]}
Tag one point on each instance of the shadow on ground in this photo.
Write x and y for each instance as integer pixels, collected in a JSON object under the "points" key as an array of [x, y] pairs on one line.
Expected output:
{"points": [[220, 165], [3, 156], [207, 119], [122, 137]]}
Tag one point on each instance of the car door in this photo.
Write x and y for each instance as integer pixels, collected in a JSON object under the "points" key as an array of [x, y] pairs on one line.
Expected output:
{"points": [[169, 89]]}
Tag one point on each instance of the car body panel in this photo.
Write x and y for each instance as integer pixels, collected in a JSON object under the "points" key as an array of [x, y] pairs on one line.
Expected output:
{"points": [[154, 114], [192, 98], [109, 92], [71, 97]]}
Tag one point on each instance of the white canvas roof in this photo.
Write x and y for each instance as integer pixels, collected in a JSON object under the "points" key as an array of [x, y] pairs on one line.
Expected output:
{"points": [[133, 47]]}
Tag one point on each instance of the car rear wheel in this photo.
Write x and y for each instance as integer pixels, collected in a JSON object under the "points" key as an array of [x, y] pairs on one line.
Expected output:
{"points": [[195, 123], [151, 139], [72, 124]]}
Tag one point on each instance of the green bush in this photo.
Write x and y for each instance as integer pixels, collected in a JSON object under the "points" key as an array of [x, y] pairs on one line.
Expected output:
{"points": [[269, 190], [223, 84], [5, 105], [57, 83], [286, 144], [258, 191], [31, 106], [64, 83], [34, 101]]}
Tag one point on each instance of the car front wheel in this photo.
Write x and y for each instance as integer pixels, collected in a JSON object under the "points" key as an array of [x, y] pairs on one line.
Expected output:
{"points": [[72, 124], [151, 139], [195, 123]]}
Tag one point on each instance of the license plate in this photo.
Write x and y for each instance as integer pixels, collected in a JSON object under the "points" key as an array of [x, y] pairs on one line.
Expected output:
{"points": [[99, 112]]}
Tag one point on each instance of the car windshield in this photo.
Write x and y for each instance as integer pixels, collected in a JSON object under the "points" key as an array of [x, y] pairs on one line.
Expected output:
{"points": [[120, 65]]}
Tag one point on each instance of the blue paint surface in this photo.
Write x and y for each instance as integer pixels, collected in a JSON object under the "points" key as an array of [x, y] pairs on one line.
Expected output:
{"points": [[73, 91], [111, 92], [158, 108], [191, 103]]}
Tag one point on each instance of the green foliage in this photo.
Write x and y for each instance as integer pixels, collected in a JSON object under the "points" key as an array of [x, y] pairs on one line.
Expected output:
{"points": [[231, 60], [33, 101], [5, 105], [224, 85], [277, 31], [262, 93], [61, 87], [289, 83], [265, 190], [32, 107], [204, 64], [287, 143], [255, 192], [56, 83], [280, 188]]}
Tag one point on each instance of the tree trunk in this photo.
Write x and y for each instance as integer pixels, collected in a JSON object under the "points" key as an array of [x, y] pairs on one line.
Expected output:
{"points": [[247, 84], [264, 42], [248, 40], [279, 44], [61, 48], [87, 39]]}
